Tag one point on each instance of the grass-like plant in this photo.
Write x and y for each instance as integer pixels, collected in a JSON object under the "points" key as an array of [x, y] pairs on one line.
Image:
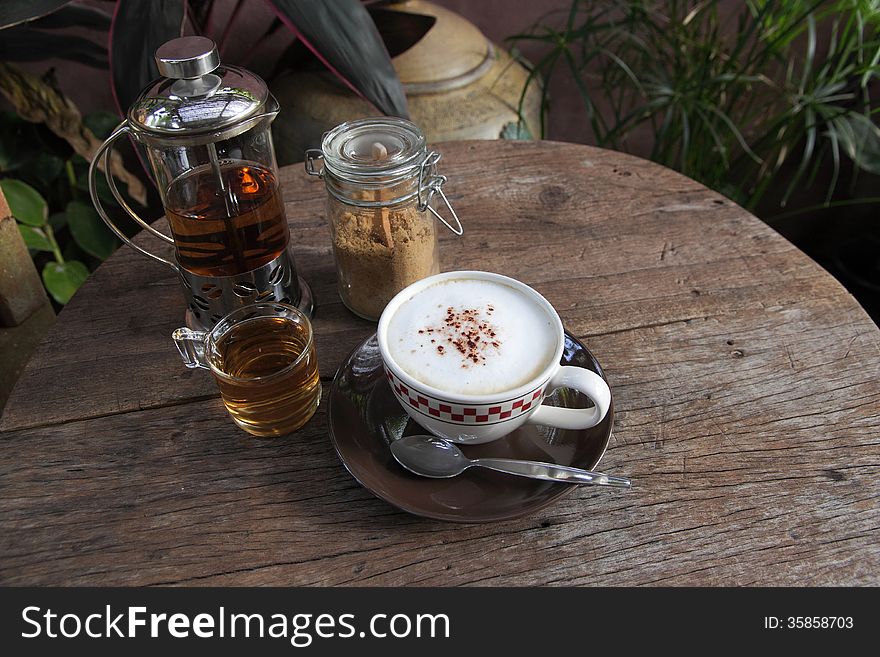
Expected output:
{"points": [[739, 96]]}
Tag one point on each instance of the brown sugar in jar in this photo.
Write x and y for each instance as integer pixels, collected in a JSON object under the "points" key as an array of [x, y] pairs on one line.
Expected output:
{"points": [[381, 192], [374, 265]]}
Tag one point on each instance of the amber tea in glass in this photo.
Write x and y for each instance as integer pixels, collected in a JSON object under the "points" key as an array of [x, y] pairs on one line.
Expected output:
{"points": [[263, 359]]}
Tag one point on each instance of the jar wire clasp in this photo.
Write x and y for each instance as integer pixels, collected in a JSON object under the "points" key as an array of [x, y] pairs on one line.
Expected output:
{"points": [[430, 183], [312, 156]]}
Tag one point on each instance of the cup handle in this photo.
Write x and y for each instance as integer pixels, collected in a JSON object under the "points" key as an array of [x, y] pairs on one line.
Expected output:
{"points": [[585, 381], [191, 345]]}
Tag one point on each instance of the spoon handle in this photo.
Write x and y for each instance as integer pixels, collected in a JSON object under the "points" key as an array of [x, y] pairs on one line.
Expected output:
{"points": [[551, 472]]}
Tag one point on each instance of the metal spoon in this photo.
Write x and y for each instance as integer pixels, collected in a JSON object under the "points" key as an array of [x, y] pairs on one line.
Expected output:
{"points": [[433, 457]]}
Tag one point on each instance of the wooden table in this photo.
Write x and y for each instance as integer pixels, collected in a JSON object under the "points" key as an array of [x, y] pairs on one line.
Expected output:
{"points": [[745, 382]]}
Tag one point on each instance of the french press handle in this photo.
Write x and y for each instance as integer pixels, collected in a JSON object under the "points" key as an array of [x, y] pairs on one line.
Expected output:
{"points": [[103, 156]]}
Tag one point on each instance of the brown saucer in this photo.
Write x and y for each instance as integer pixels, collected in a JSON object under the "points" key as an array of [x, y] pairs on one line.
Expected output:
{"points": [[364, 418]]}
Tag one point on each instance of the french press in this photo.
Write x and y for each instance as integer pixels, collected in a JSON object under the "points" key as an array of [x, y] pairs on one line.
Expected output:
{"points": [[206, 129]]}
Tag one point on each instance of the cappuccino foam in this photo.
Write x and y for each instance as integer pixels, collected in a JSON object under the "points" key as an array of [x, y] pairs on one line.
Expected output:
{"points": [[471, 336]]}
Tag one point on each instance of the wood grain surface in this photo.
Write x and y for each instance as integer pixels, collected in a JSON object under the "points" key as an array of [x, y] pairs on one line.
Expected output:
{"points": [[745, 382]]}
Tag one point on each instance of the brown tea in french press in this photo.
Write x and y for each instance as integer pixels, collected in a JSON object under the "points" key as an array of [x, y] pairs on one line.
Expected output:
{"points": [[206, 129], [228, 221]]}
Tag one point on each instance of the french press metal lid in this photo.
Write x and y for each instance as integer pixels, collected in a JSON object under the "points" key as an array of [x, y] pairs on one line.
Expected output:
{"points": [[206, 130], [198, 100]]}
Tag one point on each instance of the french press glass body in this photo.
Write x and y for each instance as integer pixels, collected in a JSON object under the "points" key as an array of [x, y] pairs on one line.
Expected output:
{"points": [[206, 129]]}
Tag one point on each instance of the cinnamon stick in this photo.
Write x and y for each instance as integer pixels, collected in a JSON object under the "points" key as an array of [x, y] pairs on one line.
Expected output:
{"points": [[382, 220]]}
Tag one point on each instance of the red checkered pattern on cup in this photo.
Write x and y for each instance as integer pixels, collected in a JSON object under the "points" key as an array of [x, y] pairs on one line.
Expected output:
{"points": [[458, 414]]}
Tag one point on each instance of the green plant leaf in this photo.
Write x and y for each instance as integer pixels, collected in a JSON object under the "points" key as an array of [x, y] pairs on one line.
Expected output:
{"points": [[89, 231], [101, 123], [25, 202], [34, 238], [57, 220], [63, 279], [18, 141], [861, 141], [514, 130], [23, 44], [14, 12], [344, 37], [74, 16], [42, 170], [138, 29], [104, 193]]}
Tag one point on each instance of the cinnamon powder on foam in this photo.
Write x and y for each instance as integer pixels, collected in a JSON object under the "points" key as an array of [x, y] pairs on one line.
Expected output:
{"points": [[466, 332]]}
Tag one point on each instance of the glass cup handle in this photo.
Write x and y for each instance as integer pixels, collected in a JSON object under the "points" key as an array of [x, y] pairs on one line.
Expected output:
{"points": [[585, 381], [191, 345], [101, 160]]}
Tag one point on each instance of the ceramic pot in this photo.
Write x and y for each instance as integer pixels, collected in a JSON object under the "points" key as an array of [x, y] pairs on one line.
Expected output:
{"points": [[458, 85]]}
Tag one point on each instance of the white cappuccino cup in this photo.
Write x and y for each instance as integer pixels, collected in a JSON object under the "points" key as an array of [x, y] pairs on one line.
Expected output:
{"points": [[470, 356]]}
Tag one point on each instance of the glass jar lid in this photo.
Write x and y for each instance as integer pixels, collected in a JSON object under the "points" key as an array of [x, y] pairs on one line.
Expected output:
{"points": [[389, 148], [197, 96], [386, 154]]}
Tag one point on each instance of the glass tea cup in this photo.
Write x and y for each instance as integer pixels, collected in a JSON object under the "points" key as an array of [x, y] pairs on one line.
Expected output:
{"points": [[263, 359]]}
